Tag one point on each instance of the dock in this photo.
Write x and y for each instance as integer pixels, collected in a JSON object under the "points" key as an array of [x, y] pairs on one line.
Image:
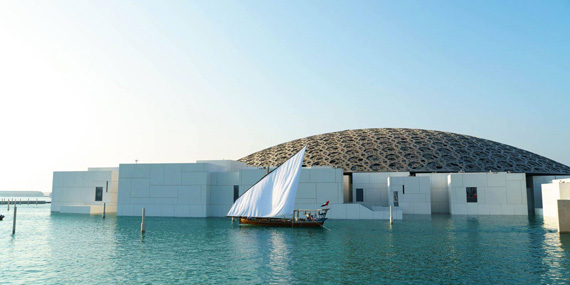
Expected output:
{"points": [[18, 202]]}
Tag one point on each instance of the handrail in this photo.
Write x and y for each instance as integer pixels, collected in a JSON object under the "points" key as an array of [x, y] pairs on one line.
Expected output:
{"points": [[313, 210]]}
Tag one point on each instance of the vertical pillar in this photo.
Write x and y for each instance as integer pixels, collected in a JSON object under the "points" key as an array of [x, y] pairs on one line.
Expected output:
{"points": [[142, 223], [14, 222], [391, 216], [104, 206]]}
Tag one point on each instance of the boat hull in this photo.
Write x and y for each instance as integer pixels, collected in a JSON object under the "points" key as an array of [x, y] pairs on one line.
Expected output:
{"points": [[281, 223]]}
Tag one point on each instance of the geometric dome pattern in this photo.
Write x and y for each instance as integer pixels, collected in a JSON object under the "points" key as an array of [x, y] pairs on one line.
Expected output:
{"points": [[413, 150]]}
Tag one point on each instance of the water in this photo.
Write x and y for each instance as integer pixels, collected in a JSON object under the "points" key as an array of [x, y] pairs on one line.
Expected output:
{"points": [[69, 249]]}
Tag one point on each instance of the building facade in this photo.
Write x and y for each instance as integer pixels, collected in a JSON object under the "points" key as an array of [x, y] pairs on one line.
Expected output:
{"points": [[85, 192], [361, 173]]}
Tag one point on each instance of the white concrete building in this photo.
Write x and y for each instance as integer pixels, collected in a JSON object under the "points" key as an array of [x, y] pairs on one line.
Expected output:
{"points": [[487, 194], [537, 182], [446, 193], [558, 189], [85, 192], [556, 203], [371, 189], [202, 189], [411, 193], [209, 188], [361, 173]]}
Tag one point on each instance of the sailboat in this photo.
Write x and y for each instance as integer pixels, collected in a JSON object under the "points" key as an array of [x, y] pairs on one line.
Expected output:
{"points": [[270, 201]]}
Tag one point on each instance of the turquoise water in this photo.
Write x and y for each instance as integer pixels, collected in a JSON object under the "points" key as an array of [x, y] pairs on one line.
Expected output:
{"points": [[69, 249]]}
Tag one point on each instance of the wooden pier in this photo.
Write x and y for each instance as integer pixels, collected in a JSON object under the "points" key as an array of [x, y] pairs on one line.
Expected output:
{"points": [[26, 202]]}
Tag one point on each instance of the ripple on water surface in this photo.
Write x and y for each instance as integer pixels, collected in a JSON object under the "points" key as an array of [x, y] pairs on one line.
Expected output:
{"points": [[63, 248]]}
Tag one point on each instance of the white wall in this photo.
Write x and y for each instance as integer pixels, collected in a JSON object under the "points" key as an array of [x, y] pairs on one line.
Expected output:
{"points": [[77, 188], [537, 182], [198, 190], [169, 190], [439, 192], [551, 193], [352, 211], [497, 193], [374, 185], [414, 194], [221, 192], [225, 165]]}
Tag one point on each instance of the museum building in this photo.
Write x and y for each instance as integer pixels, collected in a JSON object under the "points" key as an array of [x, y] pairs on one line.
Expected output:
{"points": [[361, 172]]}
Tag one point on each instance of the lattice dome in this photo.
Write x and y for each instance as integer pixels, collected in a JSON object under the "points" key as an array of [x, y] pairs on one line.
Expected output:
{"points": [[413, 150]]}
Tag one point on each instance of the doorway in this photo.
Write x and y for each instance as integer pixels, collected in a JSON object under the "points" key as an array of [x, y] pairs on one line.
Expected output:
{"points": [[347, 187]]}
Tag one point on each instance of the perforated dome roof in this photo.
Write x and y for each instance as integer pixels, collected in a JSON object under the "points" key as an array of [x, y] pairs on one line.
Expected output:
{"points": [[414, 150]]}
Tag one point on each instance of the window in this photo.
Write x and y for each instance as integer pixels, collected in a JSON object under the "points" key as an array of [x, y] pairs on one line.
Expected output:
{"points": [[403, 189], [107, 187], [236, 192], [359, 195], [471, 194], [98, 193], [396, 203]]}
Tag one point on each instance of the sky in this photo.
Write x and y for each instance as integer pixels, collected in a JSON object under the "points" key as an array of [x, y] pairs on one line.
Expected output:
{"points": [[99, 83]]}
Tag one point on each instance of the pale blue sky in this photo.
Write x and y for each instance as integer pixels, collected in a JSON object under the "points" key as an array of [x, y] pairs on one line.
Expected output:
{"points": [[98, 83]]}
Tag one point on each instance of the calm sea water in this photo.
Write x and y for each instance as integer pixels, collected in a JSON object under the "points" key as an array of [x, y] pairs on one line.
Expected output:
{"points": [[51, 248]]}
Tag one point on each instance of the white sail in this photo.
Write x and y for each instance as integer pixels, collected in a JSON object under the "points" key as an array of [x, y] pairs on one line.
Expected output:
{"points": [[274, 195]]}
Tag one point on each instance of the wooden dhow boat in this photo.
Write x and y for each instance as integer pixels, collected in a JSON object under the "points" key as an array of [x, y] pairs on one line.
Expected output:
{"points": [[271, 200]]}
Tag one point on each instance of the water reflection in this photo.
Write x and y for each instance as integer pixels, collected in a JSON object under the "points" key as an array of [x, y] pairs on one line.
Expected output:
{"points": [[279, 257], [59, 248], [565, 242]]}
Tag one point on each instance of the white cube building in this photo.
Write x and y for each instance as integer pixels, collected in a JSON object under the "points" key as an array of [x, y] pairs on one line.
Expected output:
{"points": [[85, 192]]}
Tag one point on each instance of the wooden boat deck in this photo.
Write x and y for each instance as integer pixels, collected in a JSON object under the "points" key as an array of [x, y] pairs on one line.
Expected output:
{"points": [[271, 222]]}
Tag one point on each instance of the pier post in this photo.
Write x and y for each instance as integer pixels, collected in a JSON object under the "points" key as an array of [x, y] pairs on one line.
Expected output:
{"points": [[8, 205], [142, 224], [36, 201], [391, 217], [14, 222], [104, 206]]}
